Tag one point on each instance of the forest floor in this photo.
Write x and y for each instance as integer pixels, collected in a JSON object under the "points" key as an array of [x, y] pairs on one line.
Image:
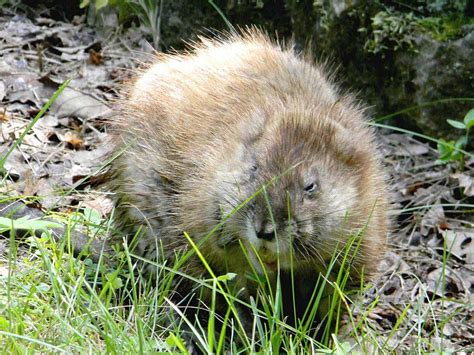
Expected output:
{"points": [[425, 290]]}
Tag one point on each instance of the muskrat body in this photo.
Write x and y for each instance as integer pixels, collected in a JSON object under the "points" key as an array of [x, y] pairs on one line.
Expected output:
{"points": [[248, 136]]}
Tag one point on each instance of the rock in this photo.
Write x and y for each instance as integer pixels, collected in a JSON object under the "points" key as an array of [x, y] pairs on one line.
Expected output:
{"points": [[442, 70], [420, 71]]}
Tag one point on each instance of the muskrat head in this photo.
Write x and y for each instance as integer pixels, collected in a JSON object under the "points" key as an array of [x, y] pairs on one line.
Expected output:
{"points": [[291, 194]]}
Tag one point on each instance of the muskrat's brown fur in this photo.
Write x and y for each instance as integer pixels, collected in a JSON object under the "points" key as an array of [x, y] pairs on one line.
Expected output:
{"points": [[205, 130]]}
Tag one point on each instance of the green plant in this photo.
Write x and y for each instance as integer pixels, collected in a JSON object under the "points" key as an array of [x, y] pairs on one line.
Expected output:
{"points": [[395, 27], [223, 16], [100, 4], [148, 13], [444, 28], [453, 150], [391, 29], [26, 223], [97, 302]]}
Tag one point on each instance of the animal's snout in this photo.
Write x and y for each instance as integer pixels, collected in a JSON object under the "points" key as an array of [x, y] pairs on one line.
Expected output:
{"points": [[267, 232]]}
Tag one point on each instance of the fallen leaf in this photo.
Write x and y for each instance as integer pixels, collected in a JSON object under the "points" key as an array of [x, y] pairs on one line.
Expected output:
{"points": [[460, 243], [74, 103], [433, 218], [442, 282], [4, 116], [465, 181], [96, 57], [49, 121], [411, 149], [99, 203], [24, 88], [3, 90], [73, 139]]}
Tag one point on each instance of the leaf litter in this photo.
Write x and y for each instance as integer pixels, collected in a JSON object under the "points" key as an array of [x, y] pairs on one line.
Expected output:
{"points": [[427, 274]]}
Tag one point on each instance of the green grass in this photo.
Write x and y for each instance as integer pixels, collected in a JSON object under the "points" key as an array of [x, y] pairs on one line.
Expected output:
{"points": [[115, 308], [52, 302]]}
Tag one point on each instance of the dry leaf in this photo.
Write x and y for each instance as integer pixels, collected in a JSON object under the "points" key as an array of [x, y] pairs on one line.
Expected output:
{"points": [[465, 181], [74, 103], [96, 57], [411, 149], [3, 90], [73, 139], [460, 243], [4, 116], [432, 219], [99, 203]]}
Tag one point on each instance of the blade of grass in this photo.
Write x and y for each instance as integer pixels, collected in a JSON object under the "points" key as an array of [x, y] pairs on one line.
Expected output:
{"points": [[219, 285], [32, 340], [224, 17], [32, 123], [423, 104], [416, 134]]}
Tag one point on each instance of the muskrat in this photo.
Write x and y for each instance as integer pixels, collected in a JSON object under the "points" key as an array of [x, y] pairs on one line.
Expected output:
{"points": [[247, 135]]}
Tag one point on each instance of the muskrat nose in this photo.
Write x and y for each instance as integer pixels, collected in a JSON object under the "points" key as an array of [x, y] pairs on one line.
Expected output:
{"points": [[266, 233], [265, 236]]}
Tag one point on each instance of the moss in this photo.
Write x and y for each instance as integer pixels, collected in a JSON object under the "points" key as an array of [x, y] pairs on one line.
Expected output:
{"points": [[394, 27], [445, 28]]}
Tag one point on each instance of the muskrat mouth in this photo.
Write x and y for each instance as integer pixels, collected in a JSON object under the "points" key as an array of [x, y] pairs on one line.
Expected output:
{"points": [[269, 260], [271, 265]]}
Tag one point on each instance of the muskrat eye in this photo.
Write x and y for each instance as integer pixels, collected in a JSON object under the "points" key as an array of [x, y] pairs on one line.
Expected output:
{"points": [[253, 172], [310, 188]]}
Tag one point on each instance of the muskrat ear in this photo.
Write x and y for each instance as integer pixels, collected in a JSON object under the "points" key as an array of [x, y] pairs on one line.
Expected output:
{"points": [[253, 132], [348, 149]]}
